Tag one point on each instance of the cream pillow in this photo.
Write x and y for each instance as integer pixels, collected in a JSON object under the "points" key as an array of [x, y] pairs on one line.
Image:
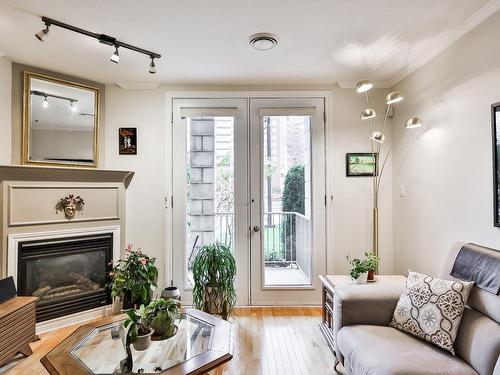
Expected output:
{"points": [[431, 309]]}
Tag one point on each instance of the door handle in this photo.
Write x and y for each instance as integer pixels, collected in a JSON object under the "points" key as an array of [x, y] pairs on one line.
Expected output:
{"points": [[256, 228]]}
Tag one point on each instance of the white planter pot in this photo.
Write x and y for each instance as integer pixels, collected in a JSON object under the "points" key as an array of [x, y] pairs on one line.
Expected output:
{"points": [[362, 278]]}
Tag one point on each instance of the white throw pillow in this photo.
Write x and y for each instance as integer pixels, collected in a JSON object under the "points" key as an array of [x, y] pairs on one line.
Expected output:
{"points": [[431, 309]]}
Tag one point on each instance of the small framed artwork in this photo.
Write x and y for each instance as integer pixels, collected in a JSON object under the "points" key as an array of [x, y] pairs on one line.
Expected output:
{"points": [[361, 164], [127, 138], [495, 121]]}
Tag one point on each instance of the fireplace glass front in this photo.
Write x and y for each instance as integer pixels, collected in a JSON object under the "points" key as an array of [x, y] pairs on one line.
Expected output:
{"points": [[67, 275]]}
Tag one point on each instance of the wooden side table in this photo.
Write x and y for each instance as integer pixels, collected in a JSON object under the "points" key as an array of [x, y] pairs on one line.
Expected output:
{"points": [[17, 327], [331, 282]]}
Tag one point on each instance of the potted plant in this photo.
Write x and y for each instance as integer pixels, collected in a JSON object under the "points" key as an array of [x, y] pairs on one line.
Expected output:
{"points": [[359, 270], [139, 328], [214, 270], [371, 264], [162, 314], [134, 278]]}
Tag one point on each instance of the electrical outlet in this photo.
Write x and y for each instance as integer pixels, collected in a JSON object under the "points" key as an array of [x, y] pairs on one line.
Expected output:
{"points": [[402, 190]]}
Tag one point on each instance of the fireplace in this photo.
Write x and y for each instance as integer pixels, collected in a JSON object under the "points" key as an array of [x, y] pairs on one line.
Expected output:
{"points": [[67, 274]]}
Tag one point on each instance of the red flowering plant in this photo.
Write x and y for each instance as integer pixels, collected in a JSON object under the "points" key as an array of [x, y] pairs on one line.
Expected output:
{"points": [[134, 278]]}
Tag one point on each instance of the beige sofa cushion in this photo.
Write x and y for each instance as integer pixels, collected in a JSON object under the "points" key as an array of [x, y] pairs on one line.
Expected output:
{"points": [[377, 350]]}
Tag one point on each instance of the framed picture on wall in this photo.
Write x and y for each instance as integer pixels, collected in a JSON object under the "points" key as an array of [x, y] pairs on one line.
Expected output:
{"points": [[361, 164], [495, 121], [127, 138]]}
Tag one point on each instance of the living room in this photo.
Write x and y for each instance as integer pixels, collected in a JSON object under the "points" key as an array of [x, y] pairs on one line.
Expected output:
{"points": [[286, 187]]}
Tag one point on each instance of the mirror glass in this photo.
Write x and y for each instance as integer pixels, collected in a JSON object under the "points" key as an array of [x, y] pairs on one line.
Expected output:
{"points": [[61, 121]]}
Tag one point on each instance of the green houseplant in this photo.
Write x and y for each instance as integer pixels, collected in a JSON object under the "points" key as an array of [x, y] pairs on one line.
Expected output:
{"points": [[139, 328], [134, 278], [214, 271], [162, 314], [371, 264], [359, 270]]}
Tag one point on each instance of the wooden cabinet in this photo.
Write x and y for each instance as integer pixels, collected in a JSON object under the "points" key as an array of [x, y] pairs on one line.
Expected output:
{"points": [[17, 327]]}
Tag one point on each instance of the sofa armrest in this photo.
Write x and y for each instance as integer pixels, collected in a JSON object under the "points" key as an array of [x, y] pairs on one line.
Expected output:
{"points": [[372, 303]]}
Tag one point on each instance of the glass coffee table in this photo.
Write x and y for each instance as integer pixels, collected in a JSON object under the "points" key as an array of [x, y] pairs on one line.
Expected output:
{"points": [[202, 343]]}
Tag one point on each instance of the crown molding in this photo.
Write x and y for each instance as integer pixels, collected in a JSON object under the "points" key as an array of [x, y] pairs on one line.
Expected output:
{"points": [[376, 84], [447, 40], [138, 85]]}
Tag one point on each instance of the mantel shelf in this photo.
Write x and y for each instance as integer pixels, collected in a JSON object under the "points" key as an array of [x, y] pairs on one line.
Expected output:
{"points": [[38, 173]]}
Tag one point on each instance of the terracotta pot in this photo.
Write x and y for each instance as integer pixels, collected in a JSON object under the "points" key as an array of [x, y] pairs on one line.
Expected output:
{"points": [[371, 275], [142, 342]]}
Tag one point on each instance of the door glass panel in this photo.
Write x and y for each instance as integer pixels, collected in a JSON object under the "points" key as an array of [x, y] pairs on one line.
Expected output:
{"points": [[209, 185], [287, 200]]}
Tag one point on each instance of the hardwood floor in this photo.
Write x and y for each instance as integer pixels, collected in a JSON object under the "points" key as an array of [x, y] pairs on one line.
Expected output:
{"points": [[269, 341]]}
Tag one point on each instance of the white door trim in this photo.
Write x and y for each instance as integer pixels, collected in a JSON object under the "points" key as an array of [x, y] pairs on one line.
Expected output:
{"points": [[170, 95]]}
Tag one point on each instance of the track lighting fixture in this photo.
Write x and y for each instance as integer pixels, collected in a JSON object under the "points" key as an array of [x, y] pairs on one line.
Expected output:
{"points": [[45, 102], [102, 38], [42, 34], [73, 107], [152, 66], [115, 57]]}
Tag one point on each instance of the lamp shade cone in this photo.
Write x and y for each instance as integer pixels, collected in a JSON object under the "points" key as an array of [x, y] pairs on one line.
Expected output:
{"points": [[363, 86], [393, 97], [378, 137], [367, 114], [413, 122]]}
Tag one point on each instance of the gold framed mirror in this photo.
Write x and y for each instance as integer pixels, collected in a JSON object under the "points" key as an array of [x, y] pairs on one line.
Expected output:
{"points": [[60, 122]]}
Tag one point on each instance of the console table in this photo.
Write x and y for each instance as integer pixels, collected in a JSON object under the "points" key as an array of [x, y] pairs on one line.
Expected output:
{"points": [[344, 284]]}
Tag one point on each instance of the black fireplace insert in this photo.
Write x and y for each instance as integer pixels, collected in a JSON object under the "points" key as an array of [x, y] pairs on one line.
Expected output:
{"points": [[68, 275]]}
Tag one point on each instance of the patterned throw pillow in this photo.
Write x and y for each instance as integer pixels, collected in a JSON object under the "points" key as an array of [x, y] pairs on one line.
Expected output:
{"points": [[431, 309]]}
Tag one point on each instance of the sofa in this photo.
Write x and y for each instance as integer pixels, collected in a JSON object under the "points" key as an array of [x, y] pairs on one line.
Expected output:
{"points": [[366, 344]]}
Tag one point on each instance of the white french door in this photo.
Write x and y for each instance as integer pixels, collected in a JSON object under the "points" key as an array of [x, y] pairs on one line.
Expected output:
{"points": [[210, 185], [287, 195], [251, 173]]}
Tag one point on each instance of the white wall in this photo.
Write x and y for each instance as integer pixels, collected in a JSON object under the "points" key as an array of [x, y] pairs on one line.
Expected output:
{"points": [[446, 166], [352, 196], [5, 110], [350, 213], [145, 210]]}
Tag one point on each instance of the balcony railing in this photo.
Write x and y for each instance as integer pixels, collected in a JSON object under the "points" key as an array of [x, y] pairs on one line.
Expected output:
{"points": [[286, 239]]}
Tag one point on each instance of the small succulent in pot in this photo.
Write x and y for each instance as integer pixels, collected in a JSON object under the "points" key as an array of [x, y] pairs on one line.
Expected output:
{"points": [[162, 314], [359, 270], [139, 328]]}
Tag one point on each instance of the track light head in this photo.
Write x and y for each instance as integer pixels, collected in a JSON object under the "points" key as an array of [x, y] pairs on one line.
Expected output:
{"points": [[45, 102], [42, 34], [115, 57], [152, 66], [73, 106]]}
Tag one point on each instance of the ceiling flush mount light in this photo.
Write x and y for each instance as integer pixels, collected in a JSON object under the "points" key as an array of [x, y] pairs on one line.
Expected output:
{"points": [[152, 66], [413, 122], [102, 38], [367, 114], [363, 86], [378, 137], [263, 41], [393, 97], [115, 57]]}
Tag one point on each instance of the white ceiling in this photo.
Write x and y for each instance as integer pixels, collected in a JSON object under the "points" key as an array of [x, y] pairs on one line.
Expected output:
{"points": [[206, 41]]}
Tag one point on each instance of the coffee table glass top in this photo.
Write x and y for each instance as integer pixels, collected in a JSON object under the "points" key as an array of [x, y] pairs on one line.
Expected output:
{"points": [[103, 349]]}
